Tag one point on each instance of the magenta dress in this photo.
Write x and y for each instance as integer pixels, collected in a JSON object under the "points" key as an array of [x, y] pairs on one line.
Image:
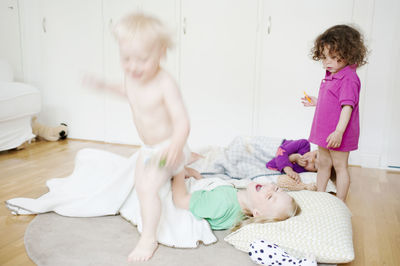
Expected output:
{"points": [[337, 90]]}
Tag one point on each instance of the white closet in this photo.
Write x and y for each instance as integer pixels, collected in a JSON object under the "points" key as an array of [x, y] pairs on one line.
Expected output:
{"points": [[69, 40], [118, 123], [242, 65], [287, 32], [10, 39], [218, 41]]}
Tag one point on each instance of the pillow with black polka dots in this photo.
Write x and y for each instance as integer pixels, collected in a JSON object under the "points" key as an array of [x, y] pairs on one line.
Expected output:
{"points": [[322, 229], [264, 253]]}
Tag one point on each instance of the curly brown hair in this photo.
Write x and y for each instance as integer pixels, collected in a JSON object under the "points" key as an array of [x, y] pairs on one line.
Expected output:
{"points": [[344, 42]]}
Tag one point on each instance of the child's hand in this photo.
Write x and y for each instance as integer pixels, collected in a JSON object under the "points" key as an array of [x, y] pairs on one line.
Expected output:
{"points": [[292, 174], [172, 156], [334, 139], [297, 158], [306, 103], [301, 160], [309, 157], [93, 82]]}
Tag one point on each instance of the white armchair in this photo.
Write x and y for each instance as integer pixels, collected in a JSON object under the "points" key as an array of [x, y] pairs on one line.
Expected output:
{"points": [[18, 103]]}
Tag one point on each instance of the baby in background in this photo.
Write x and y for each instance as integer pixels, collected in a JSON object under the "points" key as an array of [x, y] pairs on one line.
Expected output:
{"points": [[225, 207], [294, 157], [159, 115]]}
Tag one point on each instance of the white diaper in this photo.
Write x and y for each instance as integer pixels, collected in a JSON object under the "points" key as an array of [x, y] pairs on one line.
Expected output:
{"points": [[151, 155]]}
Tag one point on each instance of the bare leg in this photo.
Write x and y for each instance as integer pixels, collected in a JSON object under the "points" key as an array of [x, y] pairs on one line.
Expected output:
{"points": [[340, 162], [194, 157], [190, 172], [324, 169], [149, 180]]}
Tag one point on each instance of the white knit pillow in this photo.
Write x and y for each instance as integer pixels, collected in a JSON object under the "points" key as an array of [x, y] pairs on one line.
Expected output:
{"points": [[322, 229]]}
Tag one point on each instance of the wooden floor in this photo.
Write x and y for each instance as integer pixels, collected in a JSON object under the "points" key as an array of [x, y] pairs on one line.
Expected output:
{"points": [[374, 200]]}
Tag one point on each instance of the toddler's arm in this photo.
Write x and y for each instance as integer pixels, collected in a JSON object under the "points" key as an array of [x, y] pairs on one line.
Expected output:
{"points": [[94, 82], [180, 195], [180, 123], [334, 140]]}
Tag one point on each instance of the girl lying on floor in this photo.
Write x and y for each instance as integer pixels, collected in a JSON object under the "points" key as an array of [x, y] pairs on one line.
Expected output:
{"points": [[226, 207]]}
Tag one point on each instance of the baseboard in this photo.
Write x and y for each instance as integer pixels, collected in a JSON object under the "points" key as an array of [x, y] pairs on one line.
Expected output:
{"points": [[366, 160]]}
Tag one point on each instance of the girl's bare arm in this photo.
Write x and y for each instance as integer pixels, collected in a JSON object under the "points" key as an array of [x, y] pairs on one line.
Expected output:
{"points": [[334, 140], [180, 195], [179, 119]]}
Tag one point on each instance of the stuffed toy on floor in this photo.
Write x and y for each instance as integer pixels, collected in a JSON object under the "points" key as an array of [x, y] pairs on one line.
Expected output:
{"points": [[49, 133]]}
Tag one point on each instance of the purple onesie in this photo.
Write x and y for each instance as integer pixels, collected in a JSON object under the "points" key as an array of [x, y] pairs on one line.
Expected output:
{"points": [[287, 148], [342, 88]]}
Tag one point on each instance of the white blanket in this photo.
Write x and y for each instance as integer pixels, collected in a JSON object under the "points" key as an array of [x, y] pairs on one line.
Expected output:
{"points": [[244, 159], [102, 183]]}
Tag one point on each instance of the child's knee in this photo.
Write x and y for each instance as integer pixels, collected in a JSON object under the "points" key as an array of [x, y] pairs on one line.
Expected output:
{"points": [[325, 162], [340, 165]]}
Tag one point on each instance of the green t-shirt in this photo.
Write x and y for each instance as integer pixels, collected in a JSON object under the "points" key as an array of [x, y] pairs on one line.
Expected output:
{"points": [[220, 206]]}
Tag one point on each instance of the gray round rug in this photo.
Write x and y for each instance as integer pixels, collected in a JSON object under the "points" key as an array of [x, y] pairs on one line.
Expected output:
{"points": [[51, 239]]}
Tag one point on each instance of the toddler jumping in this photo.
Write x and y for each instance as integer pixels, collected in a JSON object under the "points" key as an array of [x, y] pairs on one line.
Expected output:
{"points": [[336, 127], [159, 115]]}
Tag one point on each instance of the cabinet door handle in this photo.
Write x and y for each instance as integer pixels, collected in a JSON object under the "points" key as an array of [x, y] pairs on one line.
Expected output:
{"points": [[184, 25], [110, 25], [269, 25], [44, 25]]}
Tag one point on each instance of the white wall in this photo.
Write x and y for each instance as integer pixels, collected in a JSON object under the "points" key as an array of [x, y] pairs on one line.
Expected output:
{"points": [[98, 116], [380, 121]]}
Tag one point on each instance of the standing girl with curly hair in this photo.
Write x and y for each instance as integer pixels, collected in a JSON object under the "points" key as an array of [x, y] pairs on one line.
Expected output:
{"points": [[336, 126]]}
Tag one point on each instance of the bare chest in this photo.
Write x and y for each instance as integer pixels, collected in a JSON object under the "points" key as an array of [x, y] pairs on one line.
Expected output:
{"points": [[144, 99]]}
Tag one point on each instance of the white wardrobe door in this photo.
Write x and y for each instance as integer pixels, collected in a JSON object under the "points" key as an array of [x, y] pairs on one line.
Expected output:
{"points": [[381, 124], [10, 45], [71, 44], [218, 41], [118, 122], [119, 126], [288, 30]]}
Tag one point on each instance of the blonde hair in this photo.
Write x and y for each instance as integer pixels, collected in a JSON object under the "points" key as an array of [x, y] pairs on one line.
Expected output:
{"points": [[139, 24], [248, 217]]}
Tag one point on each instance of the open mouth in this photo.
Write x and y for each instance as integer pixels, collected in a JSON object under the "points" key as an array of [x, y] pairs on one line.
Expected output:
{"points": [[258, 187], [136, 75]]}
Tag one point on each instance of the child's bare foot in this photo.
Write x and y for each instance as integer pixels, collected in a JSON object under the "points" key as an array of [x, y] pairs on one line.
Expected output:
{"points": [[144, 250]]}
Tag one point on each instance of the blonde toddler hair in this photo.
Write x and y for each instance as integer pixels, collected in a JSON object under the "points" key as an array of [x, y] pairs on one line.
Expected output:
{"points": [[145, 26], [249, 218]]}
